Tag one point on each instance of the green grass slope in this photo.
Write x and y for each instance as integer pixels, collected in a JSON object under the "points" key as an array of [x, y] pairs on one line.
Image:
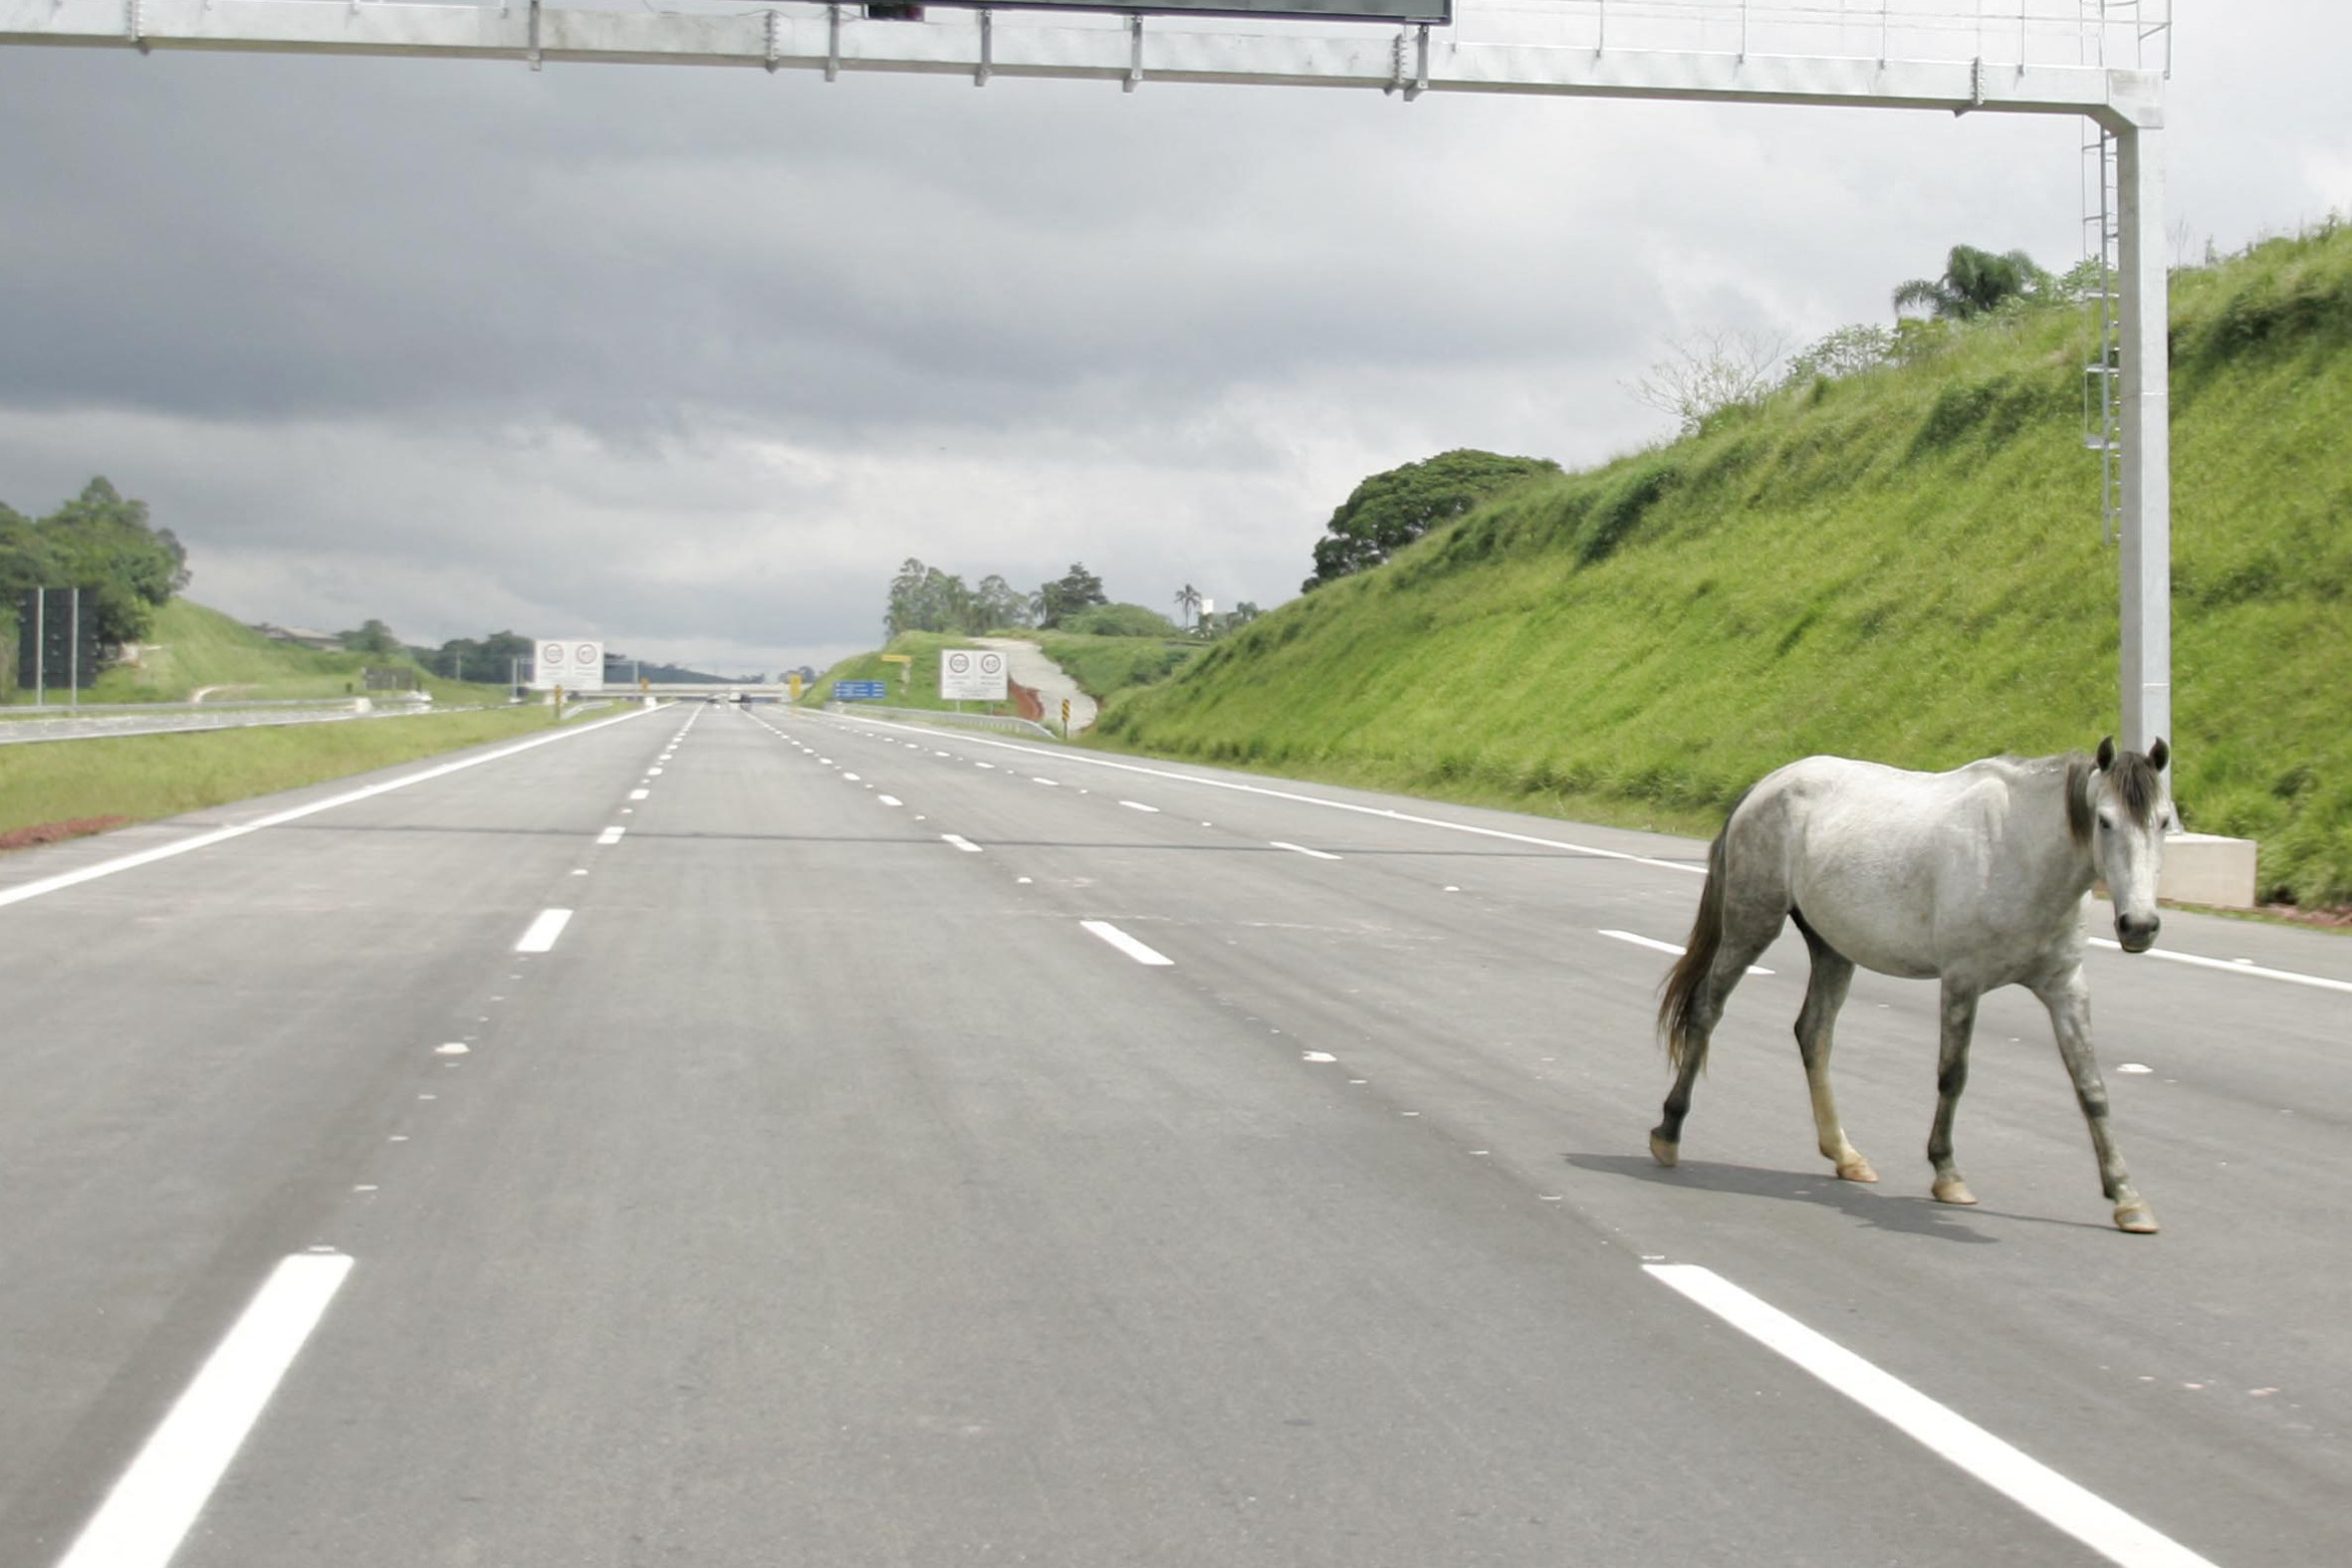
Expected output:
{"points": [[1102, 666], [191, 648], [1904, 564]]}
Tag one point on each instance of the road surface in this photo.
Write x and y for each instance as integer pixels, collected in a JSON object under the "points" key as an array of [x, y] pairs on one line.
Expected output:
{"points": [[747, 1137]]}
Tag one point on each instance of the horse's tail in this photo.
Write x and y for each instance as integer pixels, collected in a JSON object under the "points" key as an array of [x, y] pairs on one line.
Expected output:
{"points": [[1681, 987]]}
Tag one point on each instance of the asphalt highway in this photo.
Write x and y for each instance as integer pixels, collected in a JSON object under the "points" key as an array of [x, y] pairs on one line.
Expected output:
{"points": [[747, 1137]]}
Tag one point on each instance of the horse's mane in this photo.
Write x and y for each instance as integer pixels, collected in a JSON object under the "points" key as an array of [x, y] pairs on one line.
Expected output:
{"points": [[2137, 785]]}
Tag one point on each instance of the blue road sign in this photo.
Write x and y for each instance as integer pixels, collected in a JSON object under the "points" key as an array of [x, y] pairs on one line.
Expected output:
{"points": [[853, 691]]}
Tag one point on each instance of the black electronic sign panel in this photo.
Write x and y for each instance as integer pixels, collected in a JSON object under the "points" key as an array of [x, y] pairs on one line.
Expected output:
{"points": [[1433, 11]]}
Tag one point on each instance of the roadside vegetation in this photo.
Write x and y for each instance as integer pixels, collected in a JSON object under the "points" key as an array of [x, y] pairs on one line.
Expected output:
{"points": [[188, 648], [74, 786], [1105, 667], [1893, 553]]}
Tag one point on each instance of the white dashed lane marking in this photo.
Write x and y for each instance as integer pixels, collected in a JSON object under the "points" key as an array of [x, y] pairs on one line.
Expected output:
{"points": [[1662, 947], [541, 938], [1125, 942], [149, 1511], [611, 835], [2025, 1481], [1302, 849], [961, 842], [1138, 805]]}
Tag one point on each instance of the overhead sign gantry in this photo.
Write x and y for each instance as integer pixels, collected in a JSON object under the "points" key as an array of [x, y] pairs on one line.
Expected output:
{"points": [[2107, 61]]}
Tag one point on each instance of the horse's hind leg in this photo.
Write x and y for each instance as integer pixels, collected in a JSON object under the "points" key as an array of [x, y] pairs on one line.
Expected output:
{"points": [[1826, 993], [1951, 1075], [1743, 940], [2069, 1001]]}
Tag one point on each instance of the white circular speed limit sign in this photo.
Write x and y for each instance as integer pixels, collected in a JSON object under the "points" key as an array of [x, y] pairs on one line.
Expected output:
{"points": [[992, 664], [551, 654], [959, 663], [584, 655]]}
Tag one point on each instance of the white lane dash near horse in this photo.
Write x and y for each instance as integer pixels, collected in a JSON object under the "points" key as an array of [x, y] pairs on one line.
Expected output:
{"points": [[1975, 878]]}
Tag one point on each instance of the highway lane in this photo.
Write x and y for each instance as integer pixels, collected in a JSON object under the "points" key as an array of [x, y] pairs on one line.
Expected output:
{"points": [[1502, 1009], [197, 1048], [730, 1241]]}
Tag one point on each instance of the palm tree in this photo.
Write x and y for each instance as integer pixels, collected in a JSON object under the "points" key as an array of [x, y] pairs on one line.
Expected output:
{"points": [[1188, 599], [1974, 282]]}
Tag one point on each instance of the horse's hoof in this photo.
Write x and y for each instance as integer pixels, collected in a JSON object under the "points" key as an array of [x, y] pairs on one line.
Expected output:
{"points": [[2135, 1217], [1952, 1190], [1664, 1151], [1856, 1169]]}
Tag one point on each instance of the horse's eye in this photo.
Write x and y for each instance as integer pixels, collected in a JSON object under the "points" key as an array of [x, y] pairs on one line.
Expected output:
{"points": [[2107, 821]]}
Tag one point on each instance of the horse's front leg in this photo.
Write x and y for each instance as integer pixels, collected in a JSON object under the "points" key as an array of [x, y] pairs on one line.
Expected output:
{"points": [[1952, 1076], [1826, 993], [2070, 1001]]}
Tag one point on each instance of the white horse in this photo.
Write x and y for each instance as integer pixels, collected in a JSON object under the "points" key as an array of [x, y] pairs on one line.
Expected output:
{"points": [[1975, 877]]}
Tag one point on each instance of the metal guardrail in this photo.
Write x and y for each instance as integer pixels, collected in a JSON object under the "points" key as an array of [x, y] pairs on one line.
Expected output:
{"points": [[1004, 722], [93, 724], [100, 710]]}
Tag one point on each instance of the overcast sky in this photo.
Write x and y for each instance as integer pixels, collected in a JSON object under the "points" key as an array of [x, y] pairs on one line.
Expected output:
{"points": [[690, 359]]}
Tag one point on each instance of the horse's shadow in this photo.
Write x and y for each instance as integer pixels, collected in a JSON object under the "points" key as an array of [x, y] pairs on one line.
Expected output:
{"points": [[1869, 1204]]}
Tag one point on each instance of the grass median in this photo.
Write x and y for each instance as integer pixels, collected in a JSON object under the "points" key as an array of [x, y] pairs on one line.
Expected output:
{"points": [[139, 777]]}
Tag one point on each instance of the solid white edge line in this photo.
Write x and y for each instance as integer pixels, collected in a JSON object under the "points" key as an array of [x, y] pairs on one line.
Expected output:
{"points": [[1125, 942], [91, 873], [1302, 849], [2201, 961], [1639, 940], [152, 1507], [2025, 1481], [541, 938]]}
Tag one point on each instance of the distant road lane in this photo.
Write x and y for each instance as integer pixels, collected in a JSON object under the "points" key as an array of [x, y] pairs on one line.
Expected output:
{"points": [[757, 1137]]}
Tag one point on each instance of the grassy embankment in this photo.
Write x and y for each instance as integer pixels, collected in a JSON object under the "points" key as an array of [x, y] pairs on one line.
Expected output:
{"points": [[1102, 666], [1905, 565], [141, 777], [191, 648], [138, 777]]}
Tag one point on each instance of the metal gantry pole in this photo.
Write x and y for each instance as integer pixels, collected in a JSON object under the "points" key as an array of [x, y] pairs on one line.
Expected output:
{"points": [[2147, 553]]}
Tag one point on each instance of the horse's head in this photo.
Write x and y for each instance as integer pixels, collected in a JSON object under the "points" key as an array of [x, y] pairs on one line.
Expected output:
{"points": [[2125, 804]]}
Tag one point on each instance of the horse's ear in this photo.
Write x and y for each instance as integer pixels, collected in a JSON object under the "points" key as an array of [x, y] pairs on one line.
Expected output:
{"points": [[2160, 753], [2106, 752]]}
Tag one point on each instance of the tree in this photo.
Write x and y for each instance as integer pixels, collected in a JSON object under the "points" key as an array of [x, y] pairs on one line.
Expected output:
{"points": [[999, 603], [1076, 589], [1188, 599], [925, 599], [1389, 510], [1709, 372], [372, 637], [1973, 283], [102, 543]]}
